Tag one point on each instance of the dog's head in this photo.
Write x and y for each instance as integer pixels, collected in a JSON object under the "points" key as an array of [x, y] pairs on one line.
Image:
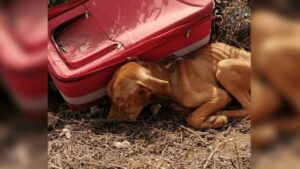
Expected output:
{"points": [[130, 90], [127, 93]]}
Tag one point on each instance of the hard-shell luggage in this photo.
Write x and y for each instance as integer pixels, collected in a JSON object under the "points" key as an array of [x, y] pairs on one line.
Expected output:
{"points": [[90, 41]]}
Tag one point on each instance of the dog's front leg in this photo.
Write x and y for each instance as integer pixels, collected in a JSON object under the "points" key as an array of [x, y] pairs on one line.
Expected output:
{"points": [[177, 108], [200, 117]]}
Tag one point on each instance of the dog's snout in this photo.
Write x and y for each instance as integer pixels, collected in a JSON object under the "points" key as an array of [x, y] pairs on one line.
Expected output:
{"points": [[132, 118], [110, 116], [112, 113]]}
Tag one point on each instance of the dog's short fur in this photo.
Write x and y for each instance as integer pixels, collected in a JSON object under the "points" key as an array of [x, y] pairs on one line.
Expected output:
{"points": [[198, 85], [276, 66]]}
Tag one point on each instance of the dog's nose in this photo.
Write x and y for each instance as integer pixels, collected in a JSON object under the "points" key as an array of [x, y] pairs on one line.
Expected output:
{"points": [[132, 118], [114, 117], [111, 116]]}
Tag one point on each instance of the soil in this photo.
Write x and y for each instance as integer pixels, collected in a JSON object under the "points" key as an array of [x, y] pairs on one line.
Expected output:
{"points": [[87, 140]]}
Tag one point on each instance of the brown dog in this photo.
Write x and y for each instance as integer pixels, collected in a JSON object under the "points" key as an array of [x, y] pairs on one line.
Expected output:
{"points": [[200, 84], [275, 71]]}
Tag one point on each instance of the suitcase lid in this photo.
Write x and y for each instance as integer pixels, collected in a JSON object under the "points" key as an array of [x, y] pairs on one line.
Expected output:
{"points": [[132, 21], [136, 25], [19, 52], [80, 40]]}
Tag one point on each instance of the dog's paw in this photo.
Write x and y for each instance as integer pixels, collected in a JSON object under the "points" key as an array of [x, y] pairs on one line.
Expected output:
{"points": [[220, 121]]}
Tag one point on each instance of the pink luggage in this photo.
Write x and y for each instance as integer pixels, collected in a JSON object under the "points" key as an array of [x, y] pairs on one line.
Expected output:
{"points": [[23, 54], [88, 42]]}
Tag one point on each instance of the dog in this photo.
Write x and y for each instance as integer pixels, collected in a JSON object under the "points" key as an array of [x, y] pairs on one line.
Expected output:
{"points": [[199, 86], [275, 68]]}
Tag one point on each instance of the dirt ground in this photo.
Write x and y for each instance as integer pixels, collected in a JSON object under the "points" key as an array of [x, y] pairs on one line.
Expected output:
{"points": [[86, 140], [154, 141]]}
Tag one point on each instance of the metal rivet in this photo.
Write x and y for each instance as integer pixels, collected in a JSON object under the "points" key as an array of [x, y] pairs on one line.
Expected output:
{"points": [[86, 13]]}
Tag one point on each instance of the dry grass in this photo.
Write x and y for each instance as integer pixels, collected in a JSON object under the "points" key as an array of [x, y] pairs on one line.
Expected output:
{"points": [[232, 23], [86, 140], [159, 141]]}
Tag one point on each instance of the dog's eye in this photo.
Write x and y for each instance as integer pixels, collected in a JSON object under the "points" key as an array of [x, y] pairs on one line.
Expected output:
{"points": [[124, 105], [119, 100], [142, 92]]}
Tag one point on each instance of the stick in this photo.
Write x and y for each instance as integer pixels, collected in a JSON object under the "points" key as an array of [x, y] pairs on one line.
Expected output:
{"points": [[246, 118], [53, 166], [162, 153], [193, 132], [237, 156], [211, 155]]}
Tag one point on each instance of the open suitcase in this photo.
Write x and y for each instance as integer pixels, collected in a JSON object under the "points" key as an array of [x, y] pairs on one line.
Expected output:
{"points": [[88, 42]]}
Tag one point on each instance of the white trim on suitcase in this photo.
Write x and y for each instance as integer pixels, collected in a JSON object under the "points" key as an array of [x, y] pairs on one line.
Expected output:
{"points": [[193, 46], [85, 98], [101, 92], [33, 104]]}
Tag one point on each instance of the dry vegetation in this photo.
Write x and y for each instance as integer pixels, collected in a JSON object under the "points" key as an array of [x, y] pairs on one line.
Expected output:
{"points": [[85, 140], [160, 141]]}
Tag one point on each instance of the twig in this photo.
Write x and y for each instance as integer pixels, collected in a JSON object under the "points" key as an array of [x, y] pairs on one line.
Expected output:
{"points": [[211, 155], [214, 166], [196, 134], [162, 154], [237, 156], [53, 166], [246, 118]]}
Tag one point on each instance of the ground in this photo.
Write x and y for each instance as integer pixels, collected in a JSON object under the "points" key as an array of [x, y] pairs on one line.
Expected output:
{"points": [[86, 140], [154, 141]]}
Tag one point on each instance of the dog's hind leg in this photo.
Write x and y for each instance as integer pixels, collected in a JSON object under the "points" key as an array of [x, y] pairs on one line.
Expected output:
{"points": [[200, 118], [235, 76]]}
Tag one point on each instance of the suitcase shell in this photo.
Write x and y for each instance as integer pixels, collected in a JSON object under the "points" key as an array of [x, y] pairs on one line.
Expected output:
{"points": [[23, 60], [90, 41]]}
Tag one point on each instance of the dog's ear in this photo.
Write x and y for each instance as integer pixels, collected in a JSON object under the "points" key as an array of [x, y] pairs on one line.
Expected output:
{"points": [[161, 83], [144, 90], [132, 59], [142, 84], [154, 84]]}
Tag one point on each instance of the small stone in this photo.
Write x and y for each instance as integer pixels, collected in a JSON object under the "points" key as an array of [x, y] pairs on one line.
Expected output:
{"points": [[124, 144], [70, 127], [95, 110], [155, 108], [243, 147], [66, 132], [68, 135]]}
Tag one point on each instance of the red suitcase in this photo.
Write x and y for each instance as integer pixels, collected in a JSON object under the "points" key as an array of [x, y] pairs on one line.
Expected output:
{"points": [[88, 42], [23, 61]]}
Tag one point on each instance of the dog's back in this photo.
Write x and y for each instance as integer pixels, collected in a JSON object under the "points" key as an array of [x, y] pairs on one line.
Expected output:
{"points": [[221, 51]]}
